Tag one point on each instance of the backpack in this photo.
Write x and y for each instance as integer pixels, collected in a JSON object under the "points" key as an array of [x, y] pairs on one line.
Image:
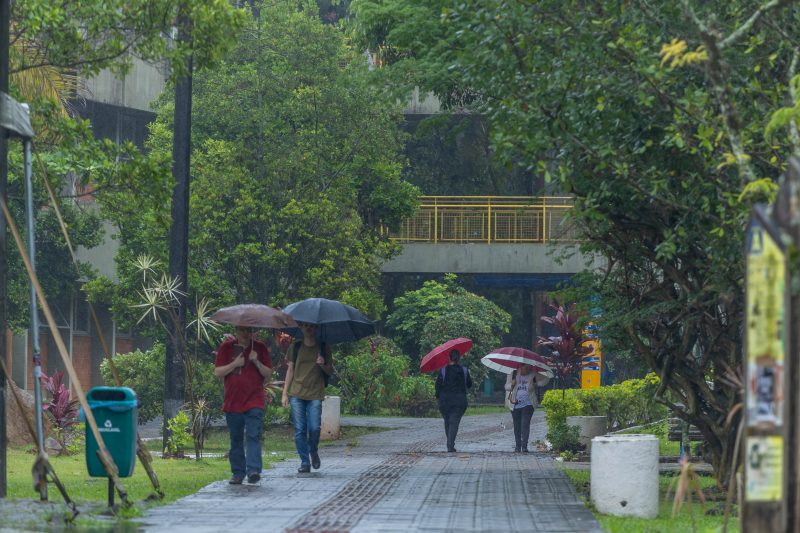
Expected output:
{"points": [[464, 368], [325, 377]]}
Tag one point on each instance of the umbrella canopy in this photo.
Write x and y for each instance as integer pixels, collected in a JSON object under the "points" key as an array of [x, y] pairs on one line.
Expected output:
{"points": [[254, 316], [440, 356], [337, 322], [507, 360]]}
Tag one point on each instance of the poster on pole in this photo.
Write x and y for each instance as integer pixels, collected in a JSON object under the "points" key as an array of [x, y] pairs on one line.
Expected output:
{"points": [[764, 469], [766, 327]]}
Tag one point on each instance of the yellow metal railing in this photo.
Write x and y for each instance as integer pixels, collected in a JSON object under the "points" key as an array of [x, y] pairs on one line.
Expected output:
{"points": [[488, 219]]}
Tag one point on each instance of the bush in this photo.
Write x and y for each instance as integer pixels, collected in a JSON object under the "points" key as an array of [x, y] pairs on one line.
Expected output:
{"points": [[626, 404], [417, 397], [564, 438], [371, 377], [179, 438], [144, 373], [559, 405]]}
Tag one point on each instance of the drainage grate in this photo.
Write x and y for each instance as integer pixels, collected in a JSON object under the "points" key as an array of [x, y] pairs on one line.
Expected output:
{"points": [[343, 510]]}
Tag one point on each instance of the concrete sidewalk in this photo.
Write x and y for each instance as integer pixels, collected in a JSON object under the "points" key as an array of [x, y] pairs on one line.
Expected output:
{"points": [[397, 480]]}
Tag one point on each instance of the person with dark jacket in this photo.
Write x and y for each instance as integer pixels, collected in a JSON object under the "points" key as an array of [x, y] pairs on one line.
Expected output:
{"points": [[452, 383]]}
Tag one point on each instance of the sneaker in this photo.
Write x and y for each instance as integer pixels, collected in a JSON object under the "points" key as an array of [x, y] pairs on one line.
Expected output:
{"points": [[315, 462], [236, 480], [304, 469], [255, 477], [517, 449]]}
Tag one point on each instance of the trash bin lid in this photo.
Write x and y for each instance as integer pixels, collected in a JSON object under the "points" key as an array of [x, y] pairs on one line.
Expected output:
{"points": [[115, 398]]}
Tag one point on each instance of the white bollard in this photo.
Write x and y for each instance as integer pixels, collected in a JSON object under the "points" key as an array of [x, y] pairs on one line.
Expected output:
{"points": [[331, 418], [625, 475], [590, 427]]}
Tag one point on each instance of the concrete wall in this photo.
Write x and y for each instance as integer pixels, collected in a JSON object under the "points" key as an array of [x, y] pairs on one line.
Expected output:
{"points": [[422, 104], [143, 83], [487, 259], [102, 257]]}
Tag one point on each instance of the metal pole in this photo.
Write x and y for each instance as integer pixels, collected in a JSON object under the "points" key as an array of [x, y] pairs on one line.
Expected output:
{"points": [[5, 16], [179, 233], [37, 359]]}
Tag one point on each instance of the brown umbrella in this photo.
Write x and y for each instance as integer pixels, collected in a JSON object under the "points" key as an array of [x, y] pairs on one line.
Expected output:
{"points": [[254, 316]]}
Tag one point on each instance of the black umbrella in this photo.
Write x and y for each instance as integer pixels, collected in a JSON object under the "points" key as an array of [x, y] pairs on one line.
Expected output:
{"points": [[337, 322]]}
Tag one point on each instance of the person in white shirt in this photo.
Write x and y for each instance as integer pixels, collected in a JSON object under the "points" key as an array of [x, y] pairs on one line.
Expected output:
{"points": [[523, 400]]}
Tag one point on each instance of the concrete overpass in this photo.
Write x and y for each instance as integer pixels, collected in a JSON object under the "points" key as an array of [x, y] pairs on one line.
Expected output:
{"points": [[512, 250], [527, 240]]}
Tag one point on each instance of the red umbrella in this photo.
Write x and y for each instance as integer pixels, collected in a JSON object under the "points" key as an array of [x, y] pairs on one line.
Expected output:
{"points": [[440, 356]]}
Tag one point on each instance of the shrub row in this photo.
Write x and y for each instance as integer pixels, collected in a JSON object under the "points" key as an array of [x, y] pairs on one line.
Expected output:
{"points": [[625, 404]]}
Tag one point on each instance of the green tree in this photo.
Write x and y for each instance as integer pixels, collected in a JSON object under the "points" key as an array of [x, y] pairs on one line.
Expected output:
{"points": [[295, 170], [91, 35], [49, 44], [440, 311], [653, 116]]}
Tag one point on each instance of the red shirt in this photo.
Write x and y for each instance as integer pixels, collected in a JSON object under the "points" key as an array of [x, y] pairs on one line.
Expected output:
{"points": [[245, 390]]}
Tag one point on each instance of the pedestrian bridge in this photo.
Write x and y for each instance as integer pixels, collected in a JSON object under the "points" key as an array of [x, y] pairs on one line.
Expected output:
{"points": [[522, 237]]}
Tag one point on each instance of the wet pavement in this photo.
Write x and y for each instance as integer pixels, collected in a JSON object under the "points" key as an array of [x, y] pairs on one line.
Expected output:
{"points": [[396, 480]]}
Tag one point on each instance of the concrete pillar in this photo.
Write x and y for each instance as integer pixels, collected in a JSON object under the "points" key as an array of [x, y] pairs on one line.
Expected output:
{"points": [[624, 475], [590, 427], [331, 418]]}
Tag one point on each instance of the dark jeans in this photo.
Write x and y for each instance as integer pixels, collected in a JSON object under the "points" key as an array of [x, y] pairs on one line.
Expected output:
{"points": [[248, 425], [452, 418], [522, 426], [307, 420]]}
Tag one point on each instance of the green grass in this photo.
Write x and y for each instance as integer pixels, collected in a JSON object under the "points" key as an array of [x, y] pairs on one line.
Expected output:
{"points": [[706, 519], [276, 439], [178, 478], [659, 429], [486, 410]]}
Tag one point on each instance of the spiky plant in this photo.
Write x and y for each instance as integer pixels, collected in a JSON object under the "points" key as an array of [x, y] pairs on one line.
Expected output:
{"points": [[566, 349]]}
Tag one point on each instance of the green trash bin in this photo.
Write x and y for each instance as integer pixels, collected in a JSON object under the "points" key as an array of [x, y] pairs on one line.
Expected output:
{"points": [[115, 410]]}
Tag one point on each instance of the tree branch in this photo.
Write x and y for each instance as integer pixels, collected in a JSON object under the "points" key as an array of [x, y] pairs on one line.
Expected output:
{"points": [[749, 23]]}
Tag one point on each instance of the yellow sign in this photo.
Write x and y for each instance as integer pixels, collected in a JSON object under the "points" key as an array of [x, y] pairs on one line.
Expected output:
{"points": [[765, 305], [766, 328], [592, 363], [764, 469]]}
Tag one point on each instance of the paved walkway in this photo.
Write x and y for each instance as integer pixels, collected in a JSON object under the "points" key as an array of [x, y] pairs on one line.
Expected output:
{"points": [[393, 481]]}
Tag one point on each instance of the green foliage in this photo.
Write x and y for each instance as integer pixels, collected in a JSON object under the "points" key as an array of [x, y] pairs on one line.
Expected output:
{"points": [[417, 396], [655, 137], [142, 371], [91, 34], [295, 170], [558, 405], [370, 377], [625, 404], [440, 311], [179, 436], [564, 438], [67, 148]]}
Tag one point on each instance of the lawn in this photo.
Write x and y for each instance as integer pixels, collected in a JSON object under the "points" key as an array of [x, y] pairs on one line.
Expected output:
{"points": [[178, 478], [486, 410], [707, 518]]}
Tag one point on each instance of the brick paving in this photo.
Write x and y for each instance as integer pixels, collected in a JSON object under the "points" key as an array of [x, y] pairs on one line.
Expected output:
{"points": [[397, 480]]}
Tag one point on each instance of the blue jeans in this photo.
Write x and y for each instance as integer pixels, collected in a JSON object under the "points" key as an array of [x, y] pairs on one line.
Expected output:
{"points": [[248, 425], [307, 420]]}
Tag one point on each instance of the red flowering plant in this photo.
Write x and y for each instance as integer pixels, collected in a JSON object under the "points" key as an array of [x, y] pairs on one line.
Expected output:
{"points": [[62, 411], [566, 349]]}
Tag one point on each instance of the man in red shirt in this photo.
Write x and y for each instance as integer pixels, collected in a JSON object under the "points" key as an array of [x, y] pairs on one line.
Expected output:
{"points": [[244, 363]]}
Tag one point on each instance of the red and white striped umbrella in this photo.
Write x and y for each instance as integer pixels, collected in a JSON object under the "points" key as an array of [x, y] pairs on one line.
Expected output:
{"points": [[508, 359]]}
